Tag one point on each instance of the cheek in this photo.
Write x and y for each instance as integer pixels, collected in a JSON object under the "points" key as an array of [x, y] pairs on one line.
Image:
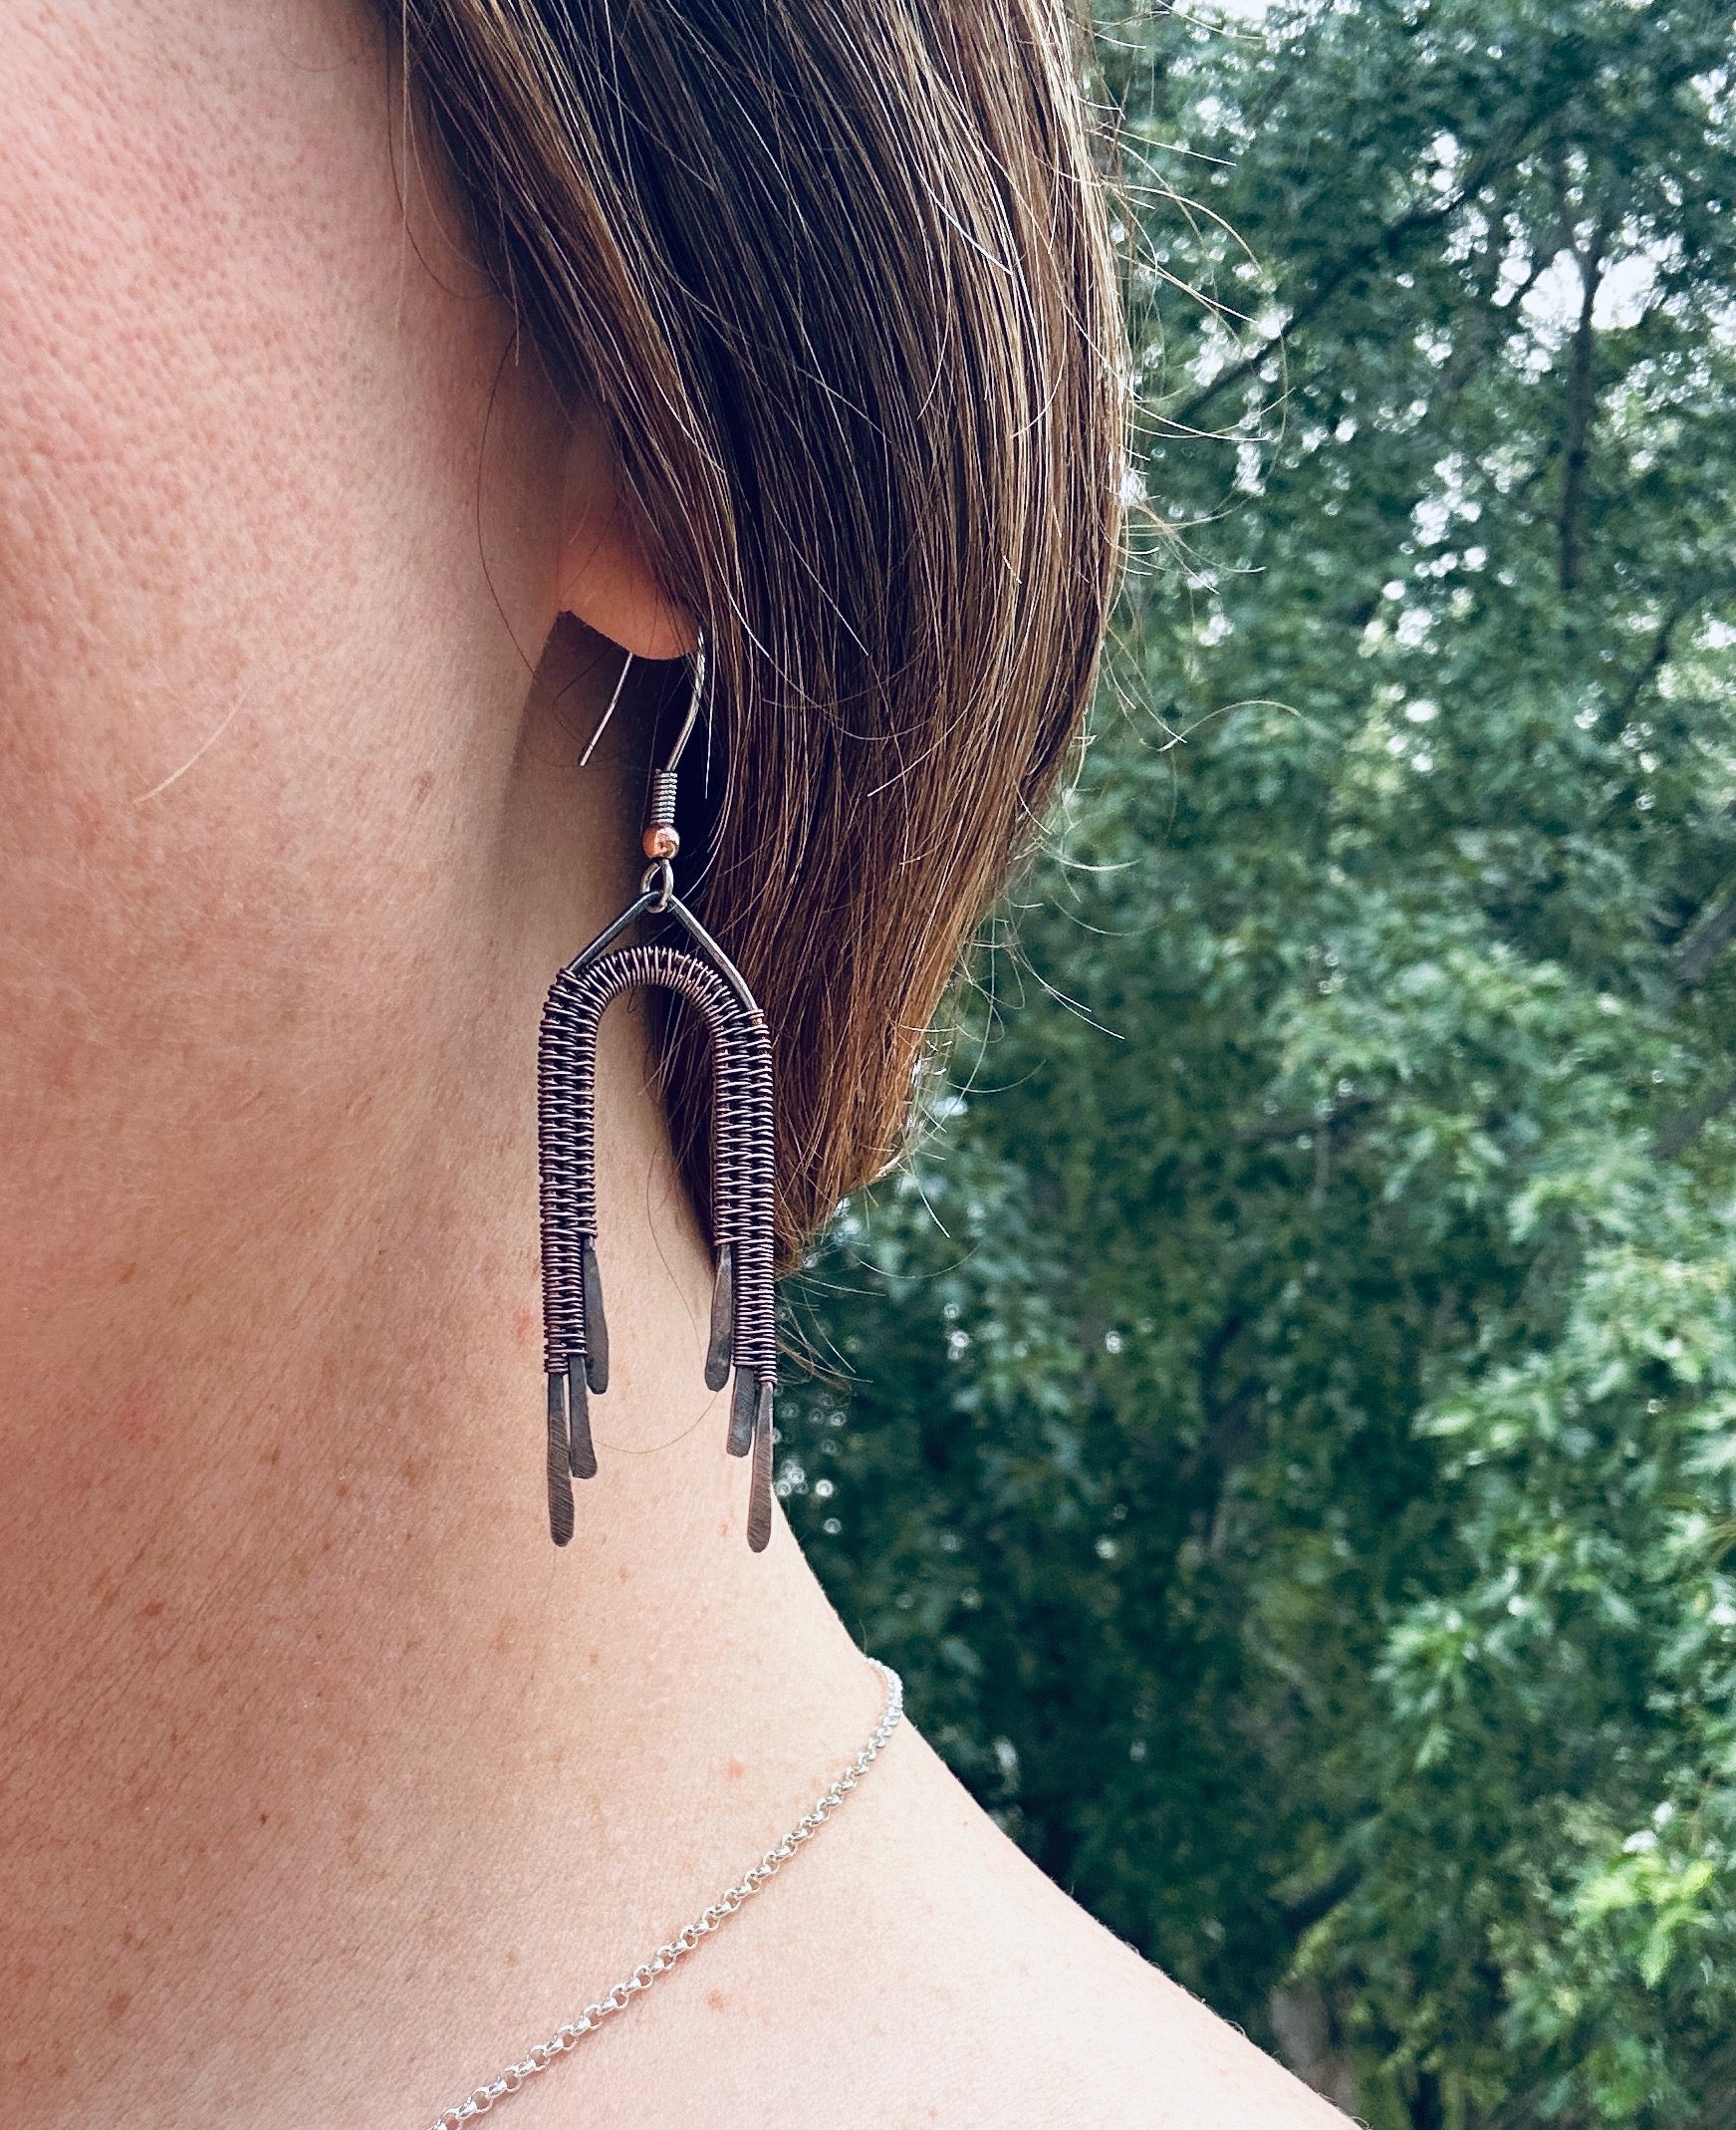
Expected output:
{"points": [[183, 214], [247, 637]]}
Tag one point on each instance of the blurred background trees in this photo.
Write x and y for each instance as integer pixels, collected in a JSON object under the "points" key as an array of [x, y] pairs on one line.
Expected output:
{"points": [[1283, 1423]]}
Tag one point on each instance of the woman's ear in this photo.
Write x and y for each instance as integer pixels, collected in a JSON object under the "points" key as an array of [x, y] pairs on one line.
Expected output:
{"points": [[604, 579]]}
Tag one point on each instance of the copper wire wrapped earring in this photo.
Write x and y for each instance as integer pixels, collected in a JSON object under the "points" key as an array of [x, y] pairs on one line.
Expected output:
{"points": [[743, 1308]]}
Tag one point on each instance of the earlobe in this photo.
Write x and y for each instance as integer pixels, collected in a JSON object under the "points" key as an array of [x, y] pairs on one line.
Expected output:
{"points": [[604, 578]]}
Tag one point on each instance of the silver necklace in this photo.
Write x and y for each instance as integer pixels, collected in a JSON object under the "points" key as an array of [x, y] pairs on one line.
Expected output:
{"points": [[664, 1958]]}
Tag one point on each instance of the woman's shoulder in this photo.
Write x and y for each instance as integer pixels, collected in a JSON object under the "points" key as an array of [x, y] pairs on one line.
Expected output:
{"points": [[992, 1997]]}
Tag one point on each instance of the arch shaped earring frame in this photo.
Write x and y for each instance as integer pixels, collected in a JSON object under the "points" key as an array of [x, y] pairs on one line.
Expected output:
{"points": [[743, 1335]]}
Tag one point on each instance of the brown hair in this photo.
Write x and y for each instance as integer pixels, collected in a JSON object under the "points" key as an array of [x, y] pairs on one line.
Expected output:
{"points": [[836, 274]]}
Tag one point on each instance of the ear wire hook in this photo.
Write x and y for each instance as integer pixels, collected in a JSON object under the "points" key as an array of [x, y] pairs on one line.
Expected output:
{"points": [[591, 750], [693, 702], [660, 841], [687, 723]]}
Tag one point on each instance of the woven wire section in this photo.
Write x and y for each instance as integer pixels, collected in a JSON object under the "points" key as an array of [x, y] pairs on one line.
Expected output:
{"points": [[756, 1332], [741, 1165]]}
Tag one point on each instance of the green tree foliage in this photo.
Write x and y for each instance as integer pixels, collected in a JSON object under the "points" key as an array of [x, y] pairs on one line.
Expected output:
{"points": [[1283, 1423]]}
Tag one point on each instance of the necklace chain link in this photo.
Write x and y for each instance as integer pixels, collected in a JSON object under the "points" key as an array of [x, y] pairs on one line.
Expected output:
{"points": [[664, 1958]]}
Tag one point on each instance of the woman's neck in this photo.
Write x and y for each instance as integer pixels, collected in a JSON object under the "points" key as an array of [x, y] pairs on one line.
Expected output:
{"points": [[326, 1775]]}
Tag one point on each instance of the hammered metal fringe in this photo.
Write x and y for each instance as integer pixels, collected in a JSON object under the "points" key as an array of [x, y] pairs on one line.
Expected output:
{"points": [[744, 1323]]}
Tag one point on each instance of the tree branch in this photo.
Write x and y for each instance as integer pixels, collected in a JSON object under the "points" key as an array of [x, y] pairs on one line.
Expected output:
{"points": [[1655, 661], [1707, 940], [1680, 1131], [1502, 149], [1580, 413]]}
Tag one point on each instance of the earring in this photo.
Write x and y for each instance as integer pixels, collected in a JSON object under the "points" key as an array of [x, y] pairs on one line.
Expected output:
{"points": [[743, 1307]]}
